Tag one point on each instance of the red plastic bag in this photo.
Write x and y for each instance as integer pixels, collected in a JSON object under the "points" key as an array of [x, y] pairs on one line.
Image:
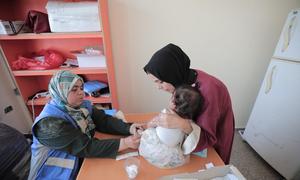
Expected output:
{"points": [[51, 59]]}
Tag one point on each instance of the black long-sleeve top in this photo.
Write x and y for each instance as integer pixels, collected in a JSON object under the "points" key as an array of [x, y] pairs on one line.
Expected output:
{"points": [[59, 134]]}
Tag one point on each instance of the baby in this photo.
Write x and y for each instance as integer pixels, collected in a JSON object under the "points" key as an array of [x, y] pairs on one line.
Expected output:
{"points": [[169, 148]]}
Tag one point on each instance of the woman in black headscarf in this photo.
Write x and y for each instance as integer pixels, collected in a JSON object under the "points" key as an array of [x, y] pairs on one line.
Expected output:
{"points": [[169, 68]]}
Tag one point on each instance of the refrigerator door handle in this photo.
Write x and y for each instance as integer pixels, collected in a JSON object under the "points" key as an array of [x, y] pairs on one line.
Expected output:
{"points": [[269, 80], [288, 33]]}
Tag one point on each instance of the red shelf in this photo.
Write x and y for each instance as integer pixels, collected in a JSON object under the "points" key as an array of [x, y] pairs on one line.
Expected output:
{"points": [[42, 101], [52, 36], [25, 44], [52, 71]]}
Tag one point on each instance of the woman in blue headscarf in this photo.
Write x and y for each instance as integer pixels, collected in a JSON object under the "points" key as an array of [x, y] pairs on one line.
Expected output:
{"points": [[63, 133]]}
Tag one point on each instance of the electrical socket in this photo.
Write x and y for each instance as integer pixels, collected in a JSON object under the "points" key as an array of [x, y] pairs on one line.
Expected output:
{"points": [[8, 109]]}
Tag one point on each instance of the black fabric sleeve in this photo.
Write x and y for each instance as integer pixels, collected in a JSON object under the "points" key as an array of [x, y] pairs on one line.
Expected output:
{"points": [[59, 134], [109, 124]]}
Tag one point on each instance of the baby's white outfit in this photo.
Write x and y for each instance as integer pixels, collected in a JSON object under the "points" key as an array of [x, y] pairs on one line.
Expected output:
{"points": [[168, 148]]}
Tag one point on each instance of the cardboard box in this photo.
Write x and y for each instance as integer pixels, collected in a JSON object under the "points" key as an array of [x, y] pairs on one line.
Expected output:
{"points": [[73, 16], [214, 172], [86, 60]]}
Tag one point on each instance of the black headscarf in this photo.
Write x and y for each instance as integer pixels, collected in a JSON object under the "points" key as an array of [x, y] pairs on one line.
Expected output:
{"points": [[170, 64]]}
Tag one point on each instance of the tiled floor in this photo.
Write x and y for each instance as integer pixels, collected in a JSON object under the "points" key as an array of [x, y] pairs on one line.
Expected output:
{"points": [[249, 163]]}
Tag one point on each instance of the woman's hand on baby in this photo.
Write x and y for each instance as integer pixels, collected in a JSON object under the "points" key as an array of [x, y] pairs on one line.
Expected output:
{"points": [[164, 119], [172, 120], [136, 129], [169, 120]]}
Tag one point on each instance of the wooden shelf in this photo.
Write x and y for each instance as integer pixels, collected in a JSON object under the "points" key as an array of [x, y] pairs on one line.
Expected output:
{"points": [[52, 36], [42, 101], [52, 71]]}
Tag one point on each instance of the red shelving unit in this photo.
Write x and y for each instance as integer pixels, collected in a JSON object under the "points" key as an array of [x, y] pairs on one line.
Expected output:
{"points": [[31, 81]]}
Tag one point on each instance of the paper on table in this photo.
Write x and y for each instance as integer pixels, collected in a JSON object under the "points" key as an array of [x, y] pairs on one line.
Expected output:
{"points": [[124, 156]]}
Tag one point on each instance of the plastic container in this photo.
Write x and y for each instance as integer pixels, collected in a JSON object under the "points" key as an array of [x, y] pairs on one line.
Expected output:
{"points": [[73, 16], [131, 166]]}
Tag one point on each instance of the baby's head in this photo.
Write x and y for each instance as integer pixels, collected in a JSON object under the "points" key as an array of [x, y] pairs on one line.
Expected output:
{"points": [[187, 101]]}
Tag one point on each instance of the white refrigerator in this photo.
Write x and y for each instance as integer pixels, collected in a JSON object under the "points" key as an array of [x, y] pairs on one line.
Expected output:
{"points": [[273, 129]]}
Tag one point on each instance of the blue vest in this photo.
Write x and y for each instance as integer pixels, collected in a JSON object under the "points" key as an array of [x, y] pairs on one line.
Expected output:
{"points": [[49, 163]]}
